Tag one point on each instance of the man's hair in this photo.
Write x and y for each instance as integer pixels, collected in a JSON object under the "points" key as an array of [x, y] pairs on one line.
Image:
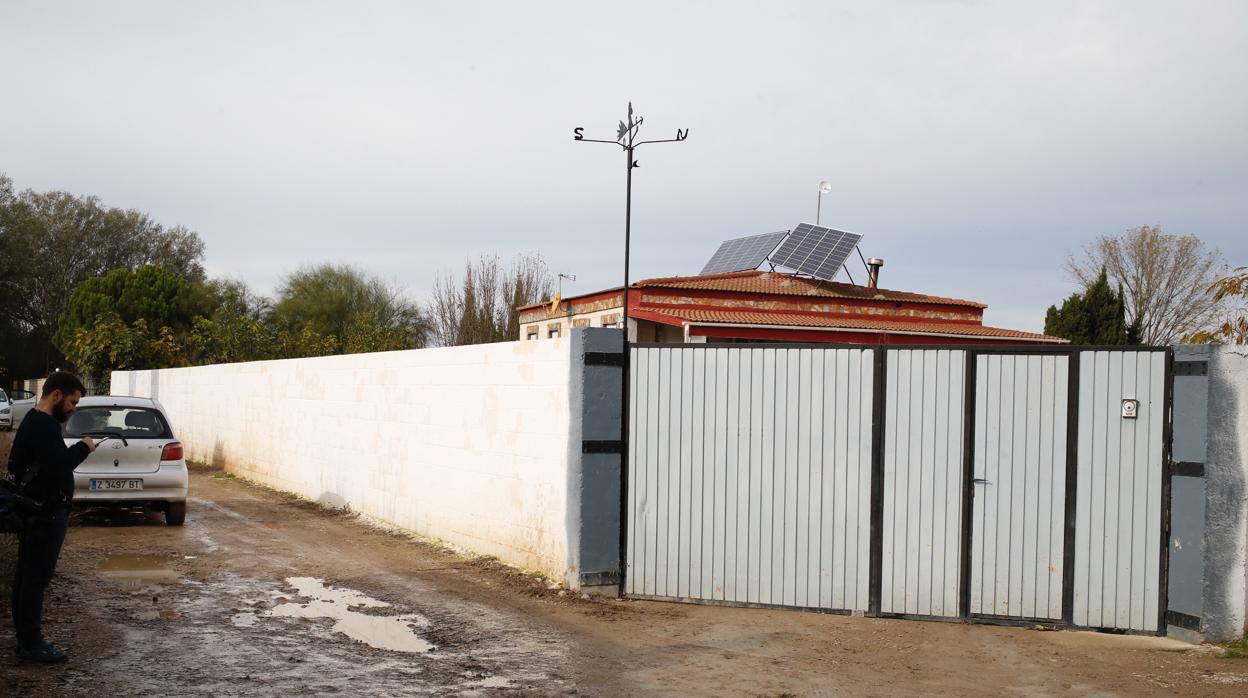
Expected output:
{"points": [[63, 381]]}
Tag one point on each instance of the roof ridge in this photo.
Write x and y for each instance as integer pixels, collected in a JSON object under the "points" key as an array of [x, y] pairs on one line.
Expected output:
{"points": [[718, 275], [854, 323]]}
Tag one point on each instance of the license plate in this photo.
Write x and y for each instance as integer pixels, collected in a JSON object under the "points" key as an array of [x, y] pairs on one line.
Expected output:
{"points": [[115, 484]]}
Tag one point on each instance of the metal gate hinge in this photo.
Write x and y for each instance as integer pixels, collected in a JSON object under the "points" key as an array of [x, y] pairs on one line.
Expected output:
{"points": [[1187, 469], [602, 358], [602, 446], [1191, 368]]}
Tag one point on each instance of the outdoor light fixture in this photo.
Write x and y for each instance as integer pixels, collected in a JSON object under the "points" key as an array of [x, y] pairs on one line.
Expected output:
{"points": [[825, 187]]}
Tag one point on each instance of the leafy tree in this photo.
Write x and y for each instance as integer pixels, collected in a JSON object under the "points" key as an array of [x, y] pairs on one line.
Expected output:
{"points": [[231, 296], [230, 337], [108, 344], [305, 341], [149, 293], [50, 242], [1234, 327], [1163, 279], [343, 308], [481, 307], [1096, 316], [128, 320]]}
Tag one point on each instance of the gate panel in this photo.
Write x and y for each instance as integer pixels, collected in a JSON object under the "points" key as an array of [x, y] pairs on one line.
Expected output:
{"points": [[1118, 500], [1018, 511], [923, 445], [749, 475]]}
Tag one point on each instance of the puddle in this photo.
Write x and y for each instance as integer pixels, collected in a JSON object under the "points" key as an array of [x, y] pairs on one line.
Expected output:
{"points": [[395, 633], [135, 572], [243, 620]]}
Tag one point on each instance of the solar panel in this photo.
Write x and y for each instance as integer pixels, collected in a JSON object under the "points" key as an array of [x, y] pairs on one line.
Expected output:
{"points": [[743, 254], [815, 250]]}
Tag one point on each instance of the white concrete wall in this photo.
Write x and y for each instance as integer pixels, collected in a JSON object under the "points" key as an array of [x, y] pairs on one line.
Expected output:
{"points": [[466, 444], [1216, 433], [1226, 509]]}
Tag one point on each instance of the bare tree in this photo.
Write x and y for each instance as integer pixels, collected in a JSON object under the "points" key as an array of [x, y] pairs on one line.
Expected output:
{"points": [[1164, 279], [481, 306]]}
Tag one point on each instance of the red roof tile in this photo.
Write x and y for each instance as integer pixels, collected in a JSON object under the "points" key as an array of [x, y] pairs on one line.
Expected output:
{"points": [[786, 284]]}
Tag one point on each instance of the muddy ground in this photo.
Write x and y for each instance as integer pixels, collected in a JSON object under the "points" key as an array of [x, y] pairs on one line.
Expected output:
{"points": [[263, 594]]}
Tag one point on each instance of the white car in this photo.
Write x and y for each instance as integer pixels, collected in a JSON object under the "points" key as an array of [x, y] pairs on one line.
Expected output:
{"points": [[13, 406], [6, 411], [138, 462]]}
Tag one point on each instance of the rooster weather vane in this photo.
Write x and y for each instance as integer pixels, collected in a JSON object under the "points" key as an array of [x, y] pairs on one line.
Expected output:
{"points": [[626, 138], [626, 135]]}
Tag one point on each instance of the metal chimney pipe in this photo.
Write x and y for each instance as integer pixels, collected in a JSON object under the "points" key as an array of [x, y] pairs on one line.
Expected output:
{"points": [[873, 265]]}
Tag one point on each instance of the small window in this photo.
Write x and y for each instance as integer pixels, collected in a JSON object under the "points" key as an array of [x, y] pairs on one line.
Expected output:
{"points": [[609, 322], [553, 332], [532, 334]]}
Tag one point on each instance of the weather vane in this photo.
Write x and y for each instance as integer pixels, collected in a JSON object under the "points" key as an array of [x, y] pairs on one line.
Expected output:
{"points": [[626, 138]]}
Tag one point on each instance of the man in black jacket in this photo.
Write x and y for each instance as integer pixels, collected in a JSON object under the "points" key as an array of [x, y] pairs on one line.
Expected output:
{"points": [[38, 444]]}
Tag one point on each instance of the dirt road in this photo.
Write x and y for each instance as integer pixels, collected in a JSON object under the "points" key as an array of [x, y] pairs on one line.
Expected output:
{"points": [[261, 594]]}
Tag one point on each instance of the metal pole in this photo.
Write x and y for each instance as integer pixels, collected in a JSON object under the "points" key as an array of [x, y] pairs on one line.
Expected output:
{"points": [[624, 373], [628, 222], [818, 207], [626, 139]]}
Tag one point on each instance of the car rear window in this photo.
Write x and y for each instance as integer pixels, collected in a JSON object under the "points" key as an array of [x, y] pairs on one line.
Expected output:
{"points": [[129, 422]]}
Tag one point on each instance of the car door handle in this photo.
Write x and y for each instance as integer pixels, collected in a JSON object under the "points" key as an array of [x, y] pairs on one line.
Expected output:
{"points": [[980, 481]]}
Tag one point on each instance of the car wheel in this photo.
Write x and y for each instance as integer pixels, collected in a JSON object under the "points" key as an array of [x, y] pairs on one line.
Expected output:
{"points": [[175, 514]]}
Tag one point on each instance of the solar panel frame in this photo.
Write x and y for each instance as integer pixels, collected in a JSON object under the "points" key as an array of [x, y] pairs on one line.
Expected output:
{"points": [[743, 254], [816, 250]]}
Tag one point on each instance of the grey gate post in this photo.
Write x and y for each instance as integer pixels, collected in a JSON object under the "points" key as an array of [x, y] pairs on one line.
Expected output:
{"points": [[596, 446]]}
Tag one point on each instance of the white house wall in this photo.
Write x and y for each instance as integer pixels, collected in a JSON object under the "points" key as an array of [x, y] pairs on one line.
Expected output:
{"points": [[469, 445]]}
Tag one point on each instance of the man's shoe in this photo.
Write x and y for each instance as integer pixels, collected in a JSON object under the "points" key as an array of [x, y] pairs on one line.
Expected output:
{"points": [[48, 654]]}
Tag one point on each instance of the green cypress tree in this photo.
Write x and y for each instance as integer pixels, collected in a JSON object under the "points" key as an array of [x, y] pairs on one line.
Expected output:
{"points": [[1096, 316]]}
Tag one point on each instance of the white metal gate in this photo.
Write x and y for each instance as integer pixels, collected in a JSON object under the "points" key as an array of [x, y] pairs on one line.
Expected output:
{"points": [[1019, 485], [924, 410], [1008, 485], [750, 475], [1118, 524]]}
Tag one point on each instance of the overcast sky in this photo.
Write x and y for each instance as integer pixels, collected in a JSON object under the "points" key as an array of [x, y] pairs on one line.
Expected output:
{"points": [[975, 145]]}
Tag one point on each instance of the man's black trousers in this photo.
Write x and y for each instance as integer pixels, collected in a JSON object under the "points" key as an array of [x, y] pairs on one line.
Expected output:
{"points": [[37, 553]]}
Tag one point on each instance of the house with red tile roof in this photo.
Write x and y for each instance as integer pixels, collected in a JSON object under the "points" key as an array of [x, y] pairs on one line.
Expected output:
{"points": [[754, 306]]}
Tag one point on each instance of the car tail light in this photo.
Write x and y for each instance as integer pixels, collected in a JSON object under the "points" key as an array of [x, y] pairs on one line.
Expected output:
{"points": [[173, 451]]}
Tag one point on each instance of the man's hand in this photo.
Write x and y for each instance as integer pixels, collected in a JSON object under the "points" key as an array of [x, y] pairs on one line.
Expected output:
{"points": [[90, 444]]}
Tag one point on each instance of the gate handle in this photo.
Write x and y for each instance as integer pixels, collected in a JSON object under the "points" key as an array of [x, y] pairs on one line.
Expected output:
{"points": [[980, 481]]}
